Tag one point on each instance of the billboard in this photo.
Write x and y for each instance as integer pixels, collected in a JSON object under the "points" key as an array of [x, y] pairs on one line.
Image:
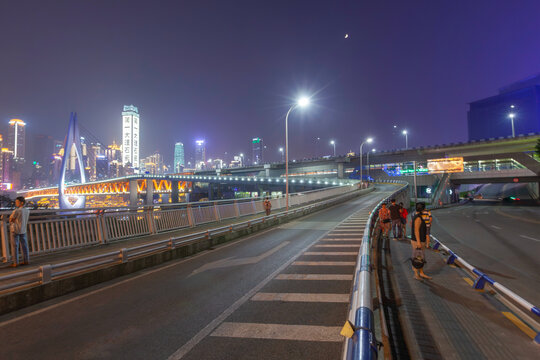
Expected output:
{"points": [[446, 165]]}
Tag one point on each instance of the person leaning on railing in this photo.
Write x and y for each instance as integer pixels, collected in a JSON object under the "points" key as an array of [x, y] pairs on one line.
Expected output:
{"points": [[419, 238], [17, 226]]}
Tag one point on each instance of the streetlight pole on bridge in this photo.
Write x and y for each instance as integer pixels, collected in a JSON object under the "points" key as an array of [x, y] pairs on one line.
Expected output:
{"points": [[332, 142], [368, 140], [406, 139], [302, 102]]}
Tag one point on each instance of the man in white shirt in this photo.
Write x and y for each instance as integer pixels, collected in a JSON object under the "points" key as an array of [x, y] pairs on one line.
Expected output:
{"points": [[18, 220]]}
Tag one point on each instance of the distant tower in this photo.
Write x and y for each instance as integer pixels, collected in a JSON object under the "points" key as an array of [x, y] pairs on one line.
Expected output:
{"points": [[179, 162], [200, 154], [130, 136], [16, 138], [257, 151]]}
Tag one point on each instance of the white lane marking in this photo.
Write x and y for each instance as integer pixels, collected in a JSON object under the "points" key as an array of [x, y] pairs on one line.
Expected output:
{"points": [[496, 227], [353, 239], [150, 272], [314, 277], [324, 263], [336, 253], [279, 332], [338, 245], [302, 297], [530, 238]]}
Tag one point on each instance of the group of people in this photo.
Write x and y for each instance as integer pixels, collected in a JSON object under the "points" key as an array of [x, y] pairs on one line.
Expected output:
{"points": [[395, 217]]}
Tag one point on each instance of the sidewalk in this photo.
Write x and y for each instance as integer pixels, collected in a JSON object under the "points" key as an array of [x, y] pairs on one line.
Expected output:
{"points": [[445, 318]]}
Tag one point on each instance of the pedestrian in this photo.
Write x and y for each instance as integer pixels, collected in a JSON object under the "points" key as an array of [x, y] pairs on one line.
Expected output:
{"points": [[17, 226], [426, 215], [396, 219], [384, 219], [419, 238], [403, 213], [267, 206]]}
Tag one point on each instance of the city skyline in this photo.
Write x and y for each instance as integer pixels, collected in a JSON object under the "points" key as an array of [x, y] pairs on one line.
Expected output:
{"points": [[197, 81]]}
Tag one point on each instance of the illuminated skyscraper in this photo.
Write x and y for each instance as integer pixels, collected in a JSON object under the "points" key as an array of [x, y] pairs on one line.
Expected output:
{"points": [[16, 138], [130, 136], [257, 151], [179, 162], [200, 154]]}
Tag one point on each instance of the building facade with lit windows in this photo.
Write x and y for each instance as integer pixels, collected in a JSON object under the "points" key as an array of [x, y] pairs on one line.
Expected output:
{"points": [[16, 139], [491, 117], [130, 136], [200, 154], [179, 160], [258, 148]]}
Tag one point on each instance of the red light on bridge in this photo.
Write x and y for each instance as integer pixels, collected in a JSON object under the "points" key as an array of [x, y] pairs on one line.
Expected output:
{"points": [[516, 179]]}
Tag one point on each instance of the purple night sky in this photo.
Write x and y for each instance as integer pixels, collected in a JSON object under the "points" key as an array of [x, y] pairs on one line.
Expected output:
{"points": [[227, 71]]}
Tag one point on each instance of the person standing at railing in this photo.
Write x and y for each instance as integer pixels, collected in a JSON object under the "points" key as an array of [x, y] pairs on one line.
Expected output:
{"points": [[384, 220], [426, 215], [267, 206], [18, 220], [396, 219], [419, 238], [403, 214]]}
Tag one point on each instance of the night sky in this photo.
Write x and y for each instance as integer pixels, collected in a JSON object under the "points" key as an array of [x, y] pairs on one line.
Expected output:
{"points": [[226, 71]]}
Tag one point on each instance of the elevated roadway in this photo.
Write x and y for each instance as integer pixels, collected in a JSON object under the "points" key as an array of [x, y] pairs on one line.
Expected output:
{"points": [[227, 303]]}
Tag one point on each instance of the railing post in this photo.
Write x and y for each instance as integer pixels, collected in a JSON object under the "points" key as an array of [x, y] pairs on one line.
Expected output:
{"points": [[150, 220], [102, 228], [5, 240], [236, 209], [46, 273], [123, 255], [216, 212], [190, 216]]}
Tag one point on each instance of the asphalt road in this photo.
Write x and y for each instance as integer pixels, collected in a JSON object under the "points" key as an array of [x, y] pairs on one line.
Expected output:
{"points": [[170, 310], [503, 241]]}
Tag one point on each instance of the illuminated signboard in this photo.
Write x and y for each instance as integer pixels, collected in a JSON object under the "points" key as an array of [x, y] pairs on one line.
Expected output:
{"points": [[448, 165]]}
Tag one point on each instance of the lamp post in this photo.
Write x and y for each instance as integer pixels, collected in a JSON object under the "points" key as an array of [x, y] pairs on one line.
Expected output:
{"points": [[302, 102], [332, 142], [512, 116], [242, 157], [404, 132], [372, 150], [281, 151], [368, 140]]}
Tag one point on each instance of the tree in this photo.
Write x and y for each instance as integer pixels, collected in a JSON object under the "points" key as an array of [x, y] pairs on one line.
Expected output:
{"points": [[538, 148]]}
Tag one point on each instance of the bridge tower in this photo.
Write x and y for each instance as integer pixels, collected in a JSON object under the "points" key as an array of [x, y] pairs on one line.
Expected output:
{"points": [[73, 139]]}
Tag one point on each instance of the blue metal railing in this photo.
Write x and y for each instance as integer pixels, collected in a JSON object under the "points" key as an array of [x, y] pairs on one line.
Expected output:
{"points": [[363, 344]]}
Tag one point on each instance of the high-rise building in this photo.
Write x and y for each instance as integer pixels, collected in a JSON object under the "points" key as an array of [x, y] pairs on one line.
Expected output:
{"points": [[257, 151], [179, 162], [102, 167], [153, 164], [6, 165], [16, 139], [200, 154], [130, 136]]}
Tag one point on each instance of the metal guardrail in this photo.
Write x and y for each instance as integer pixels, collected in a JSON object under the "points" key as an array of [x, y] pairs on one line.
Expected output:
{"points": [[363, 344], [482, 278], [54, 230], [48, 273]]}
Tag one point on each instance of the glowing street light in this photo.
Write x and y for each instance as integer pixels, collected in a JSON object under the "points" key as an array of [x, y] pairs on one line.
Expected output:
{"points": [[282, 155], [369, 141], [512, 116], [332, 142], [302, 102], [404, 132]]}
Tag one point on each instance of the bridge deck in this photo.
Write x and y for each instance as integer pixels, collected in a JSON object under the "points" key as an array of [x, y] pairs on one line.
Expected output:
{"points": [[448, 319]]}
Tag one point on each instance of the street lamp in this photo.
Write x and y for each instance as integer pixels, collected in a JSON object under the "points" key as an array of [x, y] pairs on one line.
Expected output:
{"points": [[512, 116], [332, 142], [404, 132], [281, 151], [302, 102], [242, 158], [372, 150], [368, 140]]}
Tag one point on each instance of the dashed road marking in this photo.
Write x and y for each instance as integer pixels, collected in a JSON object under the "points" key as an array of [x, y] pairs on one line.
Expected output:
{"points": [[530, 238], [337, 245], [353, 239], [302, 297], [279, 332], [314, 277], [496, 227], [336, 253], [324, 263]]}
